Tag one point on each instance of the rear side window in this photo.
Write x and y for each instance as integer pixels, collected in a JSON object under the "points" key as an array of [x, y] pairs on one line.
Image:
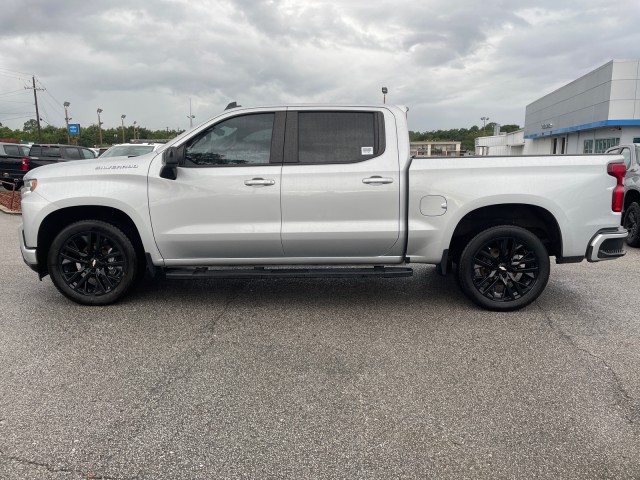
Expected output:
{"points": [[626, 153], [51, 152], [339, 137], [35, 151], [12, 150]]}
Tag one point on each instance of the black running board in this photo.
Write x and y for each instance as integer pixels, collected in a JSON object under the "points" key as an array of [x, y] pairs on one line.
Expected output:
{"points": [[260, 272]]}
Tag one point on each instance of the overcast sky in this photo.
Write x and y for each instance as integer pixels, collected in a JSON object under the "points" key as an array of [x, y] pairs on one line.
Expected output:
{"points": [[450, 62]]}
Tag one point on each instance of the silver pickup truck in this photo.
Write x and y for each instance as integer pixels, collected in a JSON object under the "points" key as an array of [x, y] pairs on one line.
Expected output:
{"points": [[308, 191]]}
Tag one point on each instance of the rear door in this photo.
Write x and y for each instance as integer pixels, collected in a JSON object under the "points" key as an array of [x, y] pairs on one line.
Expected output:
{"points": [[340, 184]]}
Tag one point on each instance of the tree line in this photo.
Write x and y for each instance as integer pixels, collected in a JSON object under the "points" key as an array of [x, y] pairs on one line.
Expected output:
{"points": [[89, 136]]}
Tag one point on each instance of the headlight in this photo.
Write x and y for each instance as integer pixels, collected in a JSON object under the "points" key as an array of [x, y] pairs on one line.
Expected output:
{"points": [[29, 186]]}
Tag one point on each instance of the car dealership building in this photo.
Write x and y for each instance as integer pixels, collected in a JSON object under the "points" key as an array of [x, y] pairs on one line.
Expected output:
{"points": [[598, 110]]}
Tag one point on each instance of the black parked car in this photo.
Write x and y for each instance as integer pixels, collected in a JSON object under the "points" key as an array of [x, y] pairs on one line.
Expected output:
{"points": [[14, 167]]}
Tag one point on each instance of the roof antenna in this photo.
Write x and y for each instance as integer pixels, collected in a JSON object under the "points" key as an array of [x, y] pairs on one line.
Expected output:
{"points": [[232, 105]]}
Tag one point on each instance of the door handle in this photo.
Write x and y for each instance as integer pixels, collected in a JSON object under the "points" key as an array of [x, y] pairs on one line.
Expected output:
{"points": [[259, 182], [376, 180]]}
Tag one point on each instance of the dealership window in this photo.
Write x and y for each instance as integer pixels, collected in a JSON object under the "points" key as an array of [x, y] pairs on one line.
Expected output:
{"points": [[603, 144], [588, 146]]}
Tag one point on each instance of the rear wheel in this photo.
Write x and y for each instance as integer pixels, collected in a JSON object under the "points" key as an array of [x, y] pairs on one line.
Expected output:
{"points": [[504, 268], [92, 262], [630, 222]]}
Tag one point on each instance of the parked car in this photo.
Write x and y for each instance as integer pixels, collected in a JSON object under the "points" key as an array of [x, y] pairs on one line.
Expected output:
{"points": [[130, 149], [11, 154], [631, 211], [14, 167]]}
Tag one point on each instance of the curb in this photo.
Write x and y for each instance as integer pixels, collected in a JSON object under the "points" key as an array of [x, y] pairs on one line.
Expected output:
{"points": [[10, 212]]}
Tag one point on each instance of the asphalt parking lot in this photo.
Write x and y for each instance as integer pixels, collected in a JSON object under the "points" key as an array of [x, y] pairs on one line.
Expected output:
{"points": [[321, 379]]}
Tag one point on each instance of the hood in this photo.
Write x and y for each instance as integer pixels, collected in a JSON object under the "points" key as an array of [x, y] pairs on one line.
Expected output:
{"points": [[94, 166]]}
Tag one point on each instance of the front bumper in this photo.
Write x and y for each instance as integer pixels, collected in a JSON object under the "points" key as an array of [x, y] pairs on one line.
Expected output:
{"points": [[29, 255], [607, 245]]}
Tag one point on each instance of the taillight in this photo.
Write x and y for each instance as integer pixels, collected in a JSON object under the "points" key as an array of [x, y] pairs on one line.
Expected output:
{"points": [[25, 164], [617, 170]]}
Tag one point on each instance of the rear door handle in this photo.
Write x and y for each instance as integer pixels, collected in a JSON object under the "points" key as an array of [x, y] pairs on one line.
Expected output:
{"points": [[259, 182], [376, 180]]}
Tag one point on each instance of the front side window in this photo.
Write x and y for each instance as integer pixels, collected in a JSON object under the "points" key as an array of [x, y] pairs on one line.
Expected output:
{"points": [[72, 153], [86, 153], [237, 141], [336, 137]]}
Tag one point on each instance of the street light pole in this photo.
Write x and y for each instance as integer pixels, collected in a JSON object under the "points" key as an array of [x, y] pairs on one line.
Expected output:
{"points": [[135, 137], [122, 117], [99, 127], [484, 122], [190, 116], [66, 118]]}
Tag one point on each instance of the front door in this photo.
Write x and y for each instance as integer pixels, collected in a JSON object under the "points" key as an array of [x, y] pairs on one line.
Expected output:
{"points": [[225, 202]]}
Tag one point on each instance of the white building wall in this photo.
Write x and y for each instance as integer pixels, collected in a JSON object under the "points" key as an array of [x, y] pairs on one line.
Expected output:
{"points": [[603, 104]]}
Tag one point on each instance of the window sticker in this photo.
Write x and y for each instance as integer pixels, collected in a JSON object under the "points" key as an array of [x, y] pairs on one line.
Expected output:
{"points": [[367, 150]]}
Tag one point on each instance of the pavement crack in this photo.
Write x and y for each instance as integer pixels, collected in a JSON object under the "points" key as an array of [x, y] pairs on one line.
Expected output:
{"points": [[624, 397], [56, 469], [183, 365]]}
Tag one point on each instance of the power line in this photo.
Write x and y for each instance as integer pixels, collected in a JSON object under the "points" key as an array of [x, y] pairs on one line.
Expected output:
{"points": [[58, 102], [14, 73], [13, 93], [17, 118]]}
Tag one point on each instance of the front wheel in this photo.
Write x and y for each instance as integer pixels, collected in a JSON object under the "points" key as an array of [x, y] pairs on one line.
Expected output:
{"points": [[92, 262], [630, 222], [504, 268]]}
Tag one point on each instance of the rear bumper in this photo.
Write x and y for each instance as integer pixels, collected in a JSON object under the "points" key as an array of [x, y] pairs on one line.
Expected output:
{"points": [[607, 245], [29, 255], [14, 177]]}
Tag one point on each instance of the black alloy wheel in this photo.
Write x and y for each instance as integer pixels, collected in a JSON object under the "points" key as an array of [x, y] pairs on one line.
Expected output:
{"points": [[92, 262], [504, 268], [630, 223]]}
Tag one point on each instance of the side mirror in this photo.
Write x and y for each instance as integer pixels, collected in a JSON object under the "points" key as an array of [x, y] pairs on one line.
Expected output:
{"points": [[171, 158]]}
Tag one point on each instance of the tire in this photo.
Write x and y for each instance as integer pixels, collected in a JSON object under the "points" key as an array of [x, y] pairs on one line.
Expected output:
{"points": [[92, 262], [504, 268], [632, 223]]}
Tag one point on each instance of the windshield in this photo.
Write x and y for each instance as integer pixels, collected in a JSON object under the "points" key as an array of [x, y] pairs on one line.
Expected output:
{"points": [[127, 151]]}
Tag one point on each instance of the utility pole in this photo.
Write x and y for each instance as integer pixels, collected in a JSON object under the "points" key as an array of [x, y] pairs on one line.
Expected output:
{"points": [[35, 97], [66, 119]]}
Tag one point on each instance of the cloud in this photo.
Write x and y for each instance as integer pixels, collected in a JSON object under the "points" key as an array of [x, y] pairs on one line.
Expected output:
{"points": [[451, 63]]}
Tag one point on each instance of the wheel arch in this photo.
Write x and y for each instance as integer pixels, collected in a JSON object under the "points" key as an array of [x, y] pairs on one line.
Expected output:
{"points": [[537, 220], [59, 219]]}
